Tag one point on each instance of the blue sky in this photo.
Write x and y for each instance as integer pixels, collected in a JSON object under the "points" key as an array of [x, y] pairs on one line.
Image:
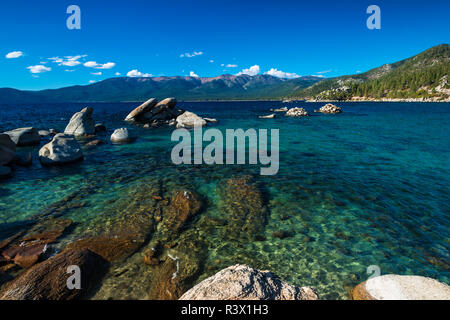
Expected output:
{"points": [[208, 38]]}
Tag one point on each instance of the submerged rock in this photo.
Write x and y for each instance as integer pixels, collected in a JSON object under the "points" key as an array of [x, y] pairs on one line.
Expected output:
{"points": [[23, 160], [48, 280], [297, 112], [81, 123], [243, 203], [183, 206], [122, 135], [330, 108], [94, 143], [62, 149], [189, 120], [398, 287], [241, 282], [7, 149], [24, 136]]}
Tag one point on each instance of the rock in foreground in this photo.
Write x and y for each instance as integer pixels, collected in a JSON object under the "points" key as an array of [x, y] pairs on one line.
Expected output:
{"points": [[241, 282], [24, 136], [81, 123], [62, 149], [48, 280], [330, 108], [122, 135], [154, 112], [297, 112], [397, 287]]}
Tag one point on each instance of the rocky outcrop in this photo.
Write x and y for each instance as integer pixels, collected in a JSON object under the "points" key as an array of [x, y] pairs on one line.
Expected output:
{"points": [[7, 149], [189, 120], [62, 149], [398, 287], [48, 280], [94, 143], [241, 282], [81, 123], [122, 135], [24, 136], [296, 112], [330, 108]]}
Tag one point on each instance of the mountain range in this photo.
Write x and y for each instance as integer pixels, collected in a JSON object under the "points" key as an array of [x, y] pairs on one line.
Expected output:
{"points": [[422, 76]]}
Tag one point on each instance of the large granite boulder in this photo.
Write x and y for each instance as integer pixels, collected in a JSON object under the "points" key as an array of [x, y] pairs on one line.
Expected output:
{"points": [[330, 108], [397, 287], [189, 120], [136, 114], [155, 113], [62, 149], [122, 135], [25, 136], [241, 282], [81, 123], [7, 149], [48, 280]]}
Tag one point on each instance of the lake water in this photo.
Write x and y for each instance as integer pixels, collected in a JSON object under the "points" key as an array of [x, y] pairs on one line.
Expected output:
{"points": [[366, 187]]}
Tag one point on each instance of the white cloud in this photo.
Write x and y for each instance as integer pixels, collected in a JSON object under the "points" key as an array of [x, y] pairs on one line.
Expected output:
{"points": [[92, 81], [69, 61], [321, 72], [39, 69], [252, 71], [135, 73], [190, 55], [117, 73], [211, 61], [281, 74], [96, 73], [93, 64], [192, 74], [69, 70], [14, 54], [231, 65]]}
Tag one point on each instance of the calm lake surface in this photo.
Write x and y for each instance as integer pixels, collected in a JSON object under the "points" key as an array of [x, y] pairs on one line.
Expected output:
{"points": [[366, 187]]}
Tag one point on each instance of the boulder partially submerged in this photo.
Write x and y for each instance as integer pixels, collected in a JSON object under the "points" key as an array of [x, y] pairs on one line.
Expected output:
{"points": [[330, 108], [398, 287], [81, 123], [62, 149], [190, 120], [122, 135], [270, 116], [241, 282], [24, 136], [297, 112]]}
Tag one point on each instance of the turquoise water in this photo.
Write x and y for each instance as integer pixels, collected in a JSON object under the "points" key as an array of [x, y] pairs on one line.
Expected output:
{"points": [[366, 187]]}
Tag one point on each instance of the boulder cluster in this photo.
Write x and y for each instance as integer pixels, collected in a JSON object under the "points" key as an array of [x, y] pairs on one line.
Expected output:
{"points": [[153, 113], [329, 108]]}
